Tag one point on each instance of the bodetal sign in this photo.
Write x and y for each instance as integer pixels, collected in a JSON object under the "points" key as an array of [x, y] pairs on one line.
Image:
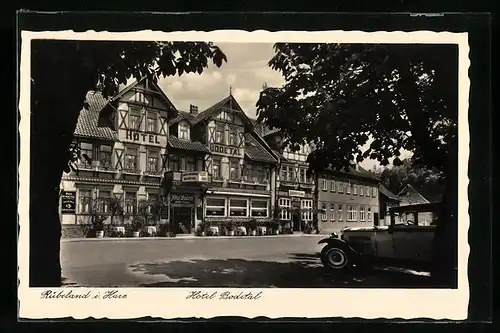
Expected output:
{"points": [[144, 137], [224, 149]]}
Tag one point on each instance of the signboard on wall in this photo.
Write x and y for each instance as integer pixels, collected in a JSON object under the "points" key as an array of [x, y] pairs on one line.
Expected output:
{"points": [[182, 198], [195, 177], [295, 193], [226, 150], [141, 137], [68, 202]]}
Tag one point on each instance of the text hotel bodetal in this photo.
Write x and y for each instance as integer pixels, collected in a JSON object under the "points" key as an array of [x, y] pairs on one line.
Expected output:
{"points": [[223, 167]]}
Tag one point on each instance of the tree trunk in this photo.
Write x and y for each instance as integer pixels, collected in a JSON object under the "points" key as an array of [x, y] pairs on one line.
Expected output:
{"points": [[59, 85]]}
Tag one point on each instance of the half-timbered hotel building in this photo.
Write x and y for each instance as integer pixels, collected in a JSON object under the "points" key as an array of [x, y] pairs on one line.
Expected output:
{"points": [[131, 141]]}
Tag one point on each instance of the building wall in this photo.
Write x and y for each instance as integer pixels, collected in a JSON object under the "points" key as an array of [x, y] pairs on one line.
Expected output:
{"points": [[340, 200]]}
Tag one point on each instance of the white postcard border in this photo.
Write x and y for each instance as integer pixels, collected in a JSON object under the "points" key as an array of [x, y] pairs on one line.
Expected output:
{"points": [[274, 302]]}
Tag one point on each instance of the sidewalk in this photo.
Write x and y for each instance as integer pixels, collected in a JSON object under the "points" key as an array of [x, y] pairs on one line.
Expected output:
{"points": [[185, 237]]}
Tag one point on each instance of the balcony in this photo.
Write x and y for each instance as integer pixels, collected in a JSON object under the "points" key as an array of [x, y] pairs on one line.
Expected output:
{"points": [[153, 173], [131, 170]]}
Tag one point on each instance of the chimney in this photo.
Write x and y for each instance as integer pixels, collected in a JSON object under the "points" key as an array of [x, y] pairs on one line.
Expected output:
{"points": [[193, 109]]}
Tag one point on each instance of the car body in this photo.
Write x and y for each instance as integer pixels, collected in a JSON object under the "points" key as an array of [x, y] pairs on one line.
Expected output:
{"points": [[405, 244]]}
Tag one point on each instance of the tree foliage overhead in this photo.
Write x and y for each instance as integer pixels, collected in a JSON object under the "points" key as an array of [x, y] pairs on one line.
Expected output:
{"points": [[339, 96]]}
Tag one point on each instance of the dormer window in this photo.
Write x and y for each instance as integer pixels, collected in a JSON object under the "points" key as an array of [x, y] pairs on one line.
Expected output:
{"points": [[183, 131]]}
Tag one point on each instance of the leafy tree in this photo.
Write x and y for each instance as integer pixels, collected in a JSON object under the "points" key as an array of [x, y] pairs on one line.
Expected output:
{"points": [[62, 72], [339, 96]]}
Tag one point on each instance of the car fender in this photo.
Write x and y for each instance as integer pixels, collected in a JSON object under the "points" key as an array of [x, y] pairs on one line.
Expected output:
{"points": [[338, 243]]}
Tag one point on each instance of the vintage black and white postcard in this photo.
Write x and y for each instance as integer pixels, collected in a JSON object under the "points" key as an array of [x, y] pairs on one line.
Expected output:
{"points": [[237, 173]]}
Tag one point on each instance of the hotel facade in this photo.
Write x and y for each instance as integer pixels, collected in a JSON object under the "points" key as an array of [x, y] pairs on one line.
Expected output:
{"points": [[218, 168]]}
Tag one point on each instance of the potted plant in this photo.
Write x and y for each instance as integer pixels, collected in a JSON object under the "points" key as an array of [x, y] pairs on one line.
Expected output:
{"points": [[98, 225], [253, 227], [230, 228], [201, 229], [137, 225]]}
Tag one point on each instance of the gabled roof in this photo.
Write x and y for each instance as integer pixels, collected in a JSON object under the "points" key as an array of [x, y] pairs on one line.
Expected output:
{"points": [[255, 151], [426, 195], [182, 115], [215, 109], [385, 191], [176, 143], [148, 82], [90, 124]]}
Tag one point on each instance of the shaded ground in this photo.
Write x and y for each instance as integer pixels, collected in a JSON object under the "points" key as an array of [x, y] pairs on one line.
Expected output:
{"points": [[256, 262]]}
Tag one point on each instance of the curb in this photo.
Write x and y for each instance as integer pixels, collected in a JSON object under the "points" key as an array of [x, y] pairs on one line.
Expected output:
{"points": [[188, 237]]}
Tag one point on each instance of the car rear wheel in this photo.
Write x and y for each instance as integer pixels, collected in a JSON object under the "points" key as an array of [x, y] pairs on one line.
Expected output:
{"points": [[335, 258]]}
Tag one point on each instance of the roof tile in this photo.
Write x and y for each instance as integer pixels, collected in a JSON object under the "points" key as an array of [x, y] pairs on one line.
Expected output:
{"points": [[175, 142], [90, 124]]}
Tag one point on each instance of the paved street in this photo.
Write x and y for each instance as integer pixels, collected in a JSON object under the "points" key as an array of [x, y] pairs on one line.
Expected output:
{"points": [[211, 262]]}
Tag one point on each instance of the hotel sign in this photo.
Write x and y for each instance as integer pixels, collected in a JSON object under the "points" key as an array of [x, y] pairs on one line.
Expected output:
{"points": [[68, 200], [226, 150], [195, 177], [141, 137], [181, 198], [295, 193]]}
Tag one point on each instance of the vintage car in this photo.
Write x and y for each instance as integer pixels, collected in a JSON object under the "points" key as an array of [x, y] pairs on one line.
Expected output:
{"points": [[403, 243]]}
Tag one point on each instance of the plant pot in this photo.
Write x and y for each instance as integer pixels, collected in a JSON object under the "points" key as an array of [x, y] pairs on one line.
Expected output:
{"points": [[135, 234], [230, 233], [253, 233], [99, 234], [203, 233]]}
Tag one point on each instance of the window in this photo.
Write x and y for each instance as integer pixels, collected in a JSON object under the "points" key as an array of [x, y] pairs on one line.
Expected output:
{"points": [[351, 213], [190, 164], [153, 158], [104, 198], [234, 169], [361, 190], [284, 205], [255, 173], [174, 163], [131, 159], [85, 200], [284, 173], [233, 137], [362, 213], [86, 149], [369, 215], [374, 192], [324, 185], [291, 173], [341, 212], [354, 190], [152, 123], [219, 134], [332, 212], [306, 207], [183, 131], [105, 156], [216, 207], [259, 208], [302, 175], [141, 98], [130, 203], [134, 119], [238, 207], [348, 188], [216, 174], [367, 191], [323, 212], [341, 187], [332, 186]]}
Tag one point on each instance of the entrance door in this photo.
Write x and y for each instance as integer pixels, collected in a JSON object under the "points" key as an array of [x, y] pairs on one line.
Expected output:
{"points": [[182, 219], [296, 220]]}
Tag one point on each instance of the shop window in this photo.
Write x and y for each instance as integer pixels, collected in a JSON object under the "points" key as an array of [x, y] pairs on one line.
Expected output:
{"points": [[259, 208], [284, 205], [85, 201], [130, 206], [215, 207], [238, 207]]}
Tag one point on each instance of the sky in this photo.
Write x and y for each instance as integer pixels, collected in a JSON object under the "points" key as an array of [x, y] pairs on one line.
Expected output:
{"points": [[245, 73]]}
